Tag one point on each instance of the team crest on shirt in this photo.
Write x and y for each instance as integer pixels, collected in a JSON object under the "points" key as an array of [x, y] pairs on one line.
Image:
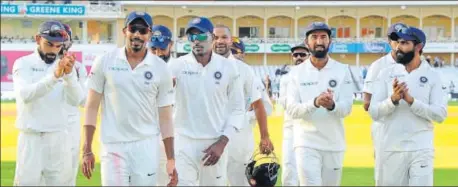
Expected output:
{"points": [[148, 75], [423, 79], [332, 83], [218, 75]]}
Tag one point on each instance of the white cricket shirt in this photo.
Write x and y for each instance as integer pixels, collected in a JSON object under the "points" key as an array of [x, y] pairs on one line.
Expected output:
{"points": [[287, 120], [319, 128], [40, 97], [374, 70], [131, 97], [409, 128], [250, 89], [73, 111], [265, 100], [209, 100]]}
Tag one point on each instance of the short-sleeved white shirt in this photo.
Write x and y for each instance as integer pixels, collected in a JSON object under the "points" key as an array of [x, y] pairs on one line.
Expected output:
{"points": [[131, 98], [208, 98]]}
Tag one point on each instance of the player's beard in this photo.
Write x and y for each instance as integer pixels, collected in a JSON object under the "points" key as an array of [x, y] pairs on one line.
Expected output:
{"points": [[404, 58], [319, 53], [137, 44], [200, 49], [165, 57], [221, 48], [48, 58]]}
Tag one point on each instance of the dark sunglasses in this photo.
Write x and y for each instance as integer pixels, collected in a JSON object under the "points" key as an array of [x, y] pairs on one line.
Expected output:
{"points": [[300, 54], [199, 37], [160, 38], [140, 29]]}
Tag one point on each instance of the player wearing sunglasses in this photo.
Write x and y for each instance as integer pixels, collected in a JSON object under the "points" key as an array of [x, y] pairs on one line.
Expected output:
{"points": [[209, 108], [408, 98], [44, 85], [137, 92], [161, 42], [242, 146], [299, 53]]}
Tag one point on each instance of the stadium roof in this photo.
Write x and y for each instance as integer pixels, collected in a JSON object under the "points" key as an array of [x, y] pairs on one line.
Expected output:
{"points": [[292, 3]]}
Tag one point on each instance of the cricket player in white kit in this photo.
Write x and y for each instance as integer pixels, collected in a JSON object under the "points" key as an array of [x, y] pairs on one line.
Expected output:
{"points": [[289, 175], [209, 108], [320, 95], [241, 147], [368, 88], [74, 114], [161, 45], [136, 91], [409, 96], [44, 85]]}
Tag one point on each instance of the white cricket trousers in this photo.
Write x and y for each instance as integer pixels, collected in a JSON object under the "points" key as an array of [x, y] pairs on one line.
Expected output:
{"points": [[190, 167], [376, 130], [414, 168], [130, 163], [289, 176], [75, 141], [319, 168], [239, 150], [43, 156]]}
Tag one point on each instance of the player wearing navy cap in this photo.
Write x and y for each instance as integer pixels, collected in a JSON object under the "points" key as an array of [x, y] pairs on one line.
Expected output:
{"points": [[135, 88], [209, 108], [161, 42], [372, 74], [44, 85], [299, 53], [407, 99], [320, 96]]}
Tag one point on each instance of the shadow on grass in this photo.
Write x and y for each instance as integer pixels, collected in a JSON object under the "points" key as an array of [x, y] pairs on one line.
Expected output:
{"points": [[351, 176]]}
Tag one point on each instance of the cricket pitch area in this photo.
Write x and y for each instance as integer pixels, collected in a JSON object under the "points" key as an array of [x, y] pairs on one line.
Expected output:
{"points": [[358, 163]]}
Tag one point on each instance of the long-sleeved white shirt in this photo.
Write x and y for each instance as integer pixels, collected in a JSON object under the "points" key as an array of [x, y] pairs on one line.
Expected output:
{"points": [[409, 128], [319, 128], [265, 101], [209, 99], [41, 98], [73, 111]]}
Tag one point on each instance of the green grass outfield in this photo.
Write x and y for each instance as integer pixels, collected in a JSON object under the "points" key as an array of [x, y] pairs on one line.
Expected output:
{"points": [[358, 163]]}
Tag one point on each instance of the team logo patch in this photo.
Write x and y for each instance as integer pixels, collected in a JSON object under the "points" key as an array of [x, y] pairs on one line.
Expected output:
{"points": [[148, 75], [332, 83], [398, 27], [140, 13], [319, 24], [55, 27], [218, 75], [157, 33], [196, 21], [423, 79]]}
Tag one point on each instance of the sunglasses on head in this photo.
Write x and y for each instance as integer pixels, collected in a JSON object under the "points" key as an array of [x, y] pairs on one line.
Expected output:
{"points": [[160, 38], [56, 33], [300, 54], [198, 37], [139, 28]]}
